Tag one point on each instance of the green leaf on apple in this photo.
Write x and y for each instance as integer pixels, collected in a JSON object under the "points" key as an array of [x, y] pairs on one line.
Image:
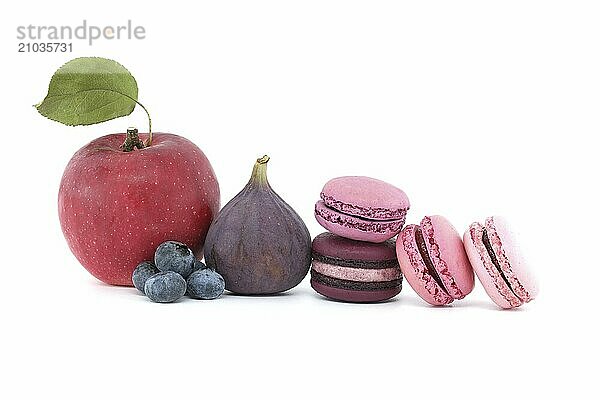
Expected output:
{"points": [[90, 90]]}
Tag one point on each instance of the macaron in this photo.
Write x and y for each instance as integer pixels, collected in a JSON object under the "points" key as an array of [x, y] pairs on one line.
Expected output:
{"points": [[354, 271], [499, 264], [362, 208], [434, 262]]}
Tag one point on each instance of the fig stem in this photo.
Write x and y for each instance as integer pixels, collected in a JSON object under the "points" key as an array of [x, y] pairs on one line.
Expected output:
{"points": [[259, 172], [132, 140], [264, 159]]}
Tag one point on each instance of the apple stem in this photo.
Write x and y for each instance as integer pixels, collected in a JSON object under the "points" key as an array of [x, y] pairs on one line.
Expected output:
{"points": [[132, 140], [149, 140]]}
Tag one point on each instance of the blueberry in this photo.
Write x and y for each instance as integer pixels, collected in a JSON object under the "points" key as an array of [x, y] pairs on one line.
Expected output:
{"points": [[141, 273], [198, 265], [205, 284], [176, 257], [165, 287]]}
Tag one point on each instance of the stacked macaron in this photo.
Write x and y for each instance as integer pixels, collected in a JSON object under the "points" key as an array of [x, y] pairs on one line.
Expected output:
{"points": [[356, 261], [362, 208], [353, 271]]}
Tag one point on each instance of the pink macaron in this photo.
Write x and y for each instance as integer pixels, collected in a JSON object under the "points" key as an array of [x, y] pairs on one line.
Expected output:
{"points": [[362, 208], [499, 264], [433, 260]]}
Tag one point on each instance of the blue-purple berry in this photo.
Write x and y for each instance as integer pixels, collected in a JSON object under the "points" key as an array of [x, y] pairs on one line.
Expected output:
{"points": [[141, 273], [205, 284], [198, 265], [165, 287], [176, 257]]}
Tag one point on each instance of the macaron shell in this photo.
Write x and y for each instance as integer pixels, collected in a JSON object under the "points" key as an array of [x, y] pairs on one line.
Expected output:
{"points": [[508, 253], [484, 268], [330, 245], [355, 228], [365, 197], [447, 252], [415, 271], [354, 296]]}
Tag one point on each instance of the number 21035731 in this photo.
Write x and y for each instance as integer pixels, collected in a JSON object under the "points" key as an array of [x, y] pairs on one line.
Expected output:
{"points": [[45, 47]]}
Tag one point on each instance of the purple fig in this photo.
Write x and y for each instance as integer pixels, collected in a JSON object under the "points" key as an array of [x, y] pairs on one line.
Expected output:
{"points": [[258, 243]]}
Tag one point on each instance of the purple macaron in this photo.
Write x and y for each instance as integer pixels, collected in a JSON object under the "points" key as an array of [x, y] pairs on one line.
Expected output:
{"points": [[362, 208], [353, 271]]}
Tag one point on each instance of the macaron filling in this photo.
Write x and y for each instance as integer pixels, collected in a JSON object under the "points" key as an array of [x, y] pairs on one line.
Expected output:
{"points": [[488, 247], [419, 260], [494, 247], [482, 244], [357, 274], [422, 247], [354, 285], [372, 213], [439, 265], [362, 224]]}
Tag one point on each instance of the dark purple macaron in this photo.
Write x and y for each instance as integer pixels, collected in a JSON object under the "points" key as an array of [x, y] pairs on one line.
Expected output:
{"points": [[354, 271]]}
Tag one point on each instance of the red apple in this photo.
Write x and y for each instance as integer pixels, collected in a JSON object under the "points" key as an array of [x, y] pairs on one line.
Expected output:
{"points": [[116, 207]]}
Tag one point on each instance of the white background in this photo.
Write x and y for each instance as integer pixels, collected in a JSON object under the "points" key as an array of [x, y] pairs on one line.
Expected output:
{"points": [[472, 107]]}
